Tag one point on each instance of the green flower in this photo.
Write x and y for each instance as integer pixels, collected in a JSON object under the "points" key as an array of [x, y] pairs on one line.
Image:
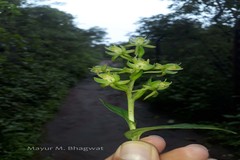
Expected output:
{"points": [[170, 68], [113, 80], [99, 69], [155, 86], [126, 70], [158, 66], [107, 78], [116, 51], [104, 69], [140, 64], [140, 41]]}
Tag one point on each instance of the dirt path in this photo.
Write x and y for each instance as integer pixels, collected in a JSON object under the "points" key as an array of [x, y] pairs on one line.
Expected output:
{"points": [[83, 122]]}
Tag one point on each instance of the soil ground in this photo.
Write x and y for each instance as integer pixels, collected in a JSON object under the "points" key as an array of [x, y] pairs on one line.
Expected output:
{"points": [[82, 121]]}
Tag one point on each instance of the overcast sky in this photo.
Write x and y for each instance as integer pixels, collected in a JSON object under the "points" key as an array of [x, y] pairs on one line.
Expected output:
{"points": [[118, 17]]}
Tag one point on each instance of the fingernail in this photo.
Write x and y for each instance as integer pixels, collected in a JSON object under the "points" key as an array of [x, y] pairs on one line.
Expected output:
{"points": [[198, 147], [198, 151], [137, 150]]}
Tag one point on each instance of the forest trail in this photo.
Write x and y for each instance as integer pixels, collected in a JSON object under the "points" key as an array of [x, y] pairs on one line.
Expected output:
{"points": [[82, 121]]}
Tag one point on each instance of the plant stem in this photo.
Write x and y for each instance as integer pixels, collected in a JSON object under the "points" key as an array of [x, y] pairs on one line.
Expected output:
{"points": [[131, 105]]}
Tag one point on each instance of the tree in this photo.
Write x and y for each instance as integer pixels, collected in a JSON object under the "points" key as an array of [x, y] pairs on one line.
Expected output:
{"points": [[220, 12], [42, 54], [204, 55], [224, 12], [204, 36]]}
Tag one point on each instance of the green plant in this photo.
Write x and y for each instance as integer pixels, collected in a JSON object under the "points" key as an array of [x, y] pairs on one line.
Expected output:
{"points": [[124, 79]]}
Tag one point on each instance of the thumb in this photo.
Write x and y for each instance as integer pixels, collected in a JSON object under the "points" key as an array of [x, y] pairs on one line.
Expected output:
{"points": [[136, 150]]}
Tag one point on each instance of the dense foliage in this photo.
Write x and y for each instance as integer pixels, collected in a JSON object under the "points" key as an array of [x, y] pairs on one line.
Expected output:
{"points": [[42, 54], [207, 64], [207, 47]]}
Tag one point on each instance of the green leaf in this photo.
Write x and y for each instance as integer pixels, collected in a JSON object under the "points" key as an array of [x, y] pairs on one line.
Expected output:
{"points": [[119, 111], [135, 75], [153, 72], [138, 93], [98, 80], [136, 133], [140, 51], [149, 46], [152, 94]]}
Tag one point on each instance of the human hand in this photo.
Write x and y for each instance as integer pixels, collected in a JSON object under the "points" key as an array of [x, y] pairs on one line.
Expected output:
{"points": [[150, 148]]}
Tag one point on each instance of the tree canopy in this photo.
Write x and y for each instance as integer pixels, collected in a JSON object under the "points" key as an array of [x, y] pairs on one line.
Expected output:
{"points": [[225, 12], [204, 37], [42, 54], [222, 13]]}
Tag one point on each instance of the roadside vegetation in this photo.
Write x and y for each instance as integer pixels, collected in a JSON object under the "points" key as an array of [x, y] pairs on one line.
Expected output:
{"points": [[42, 55], [204, 37]]}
